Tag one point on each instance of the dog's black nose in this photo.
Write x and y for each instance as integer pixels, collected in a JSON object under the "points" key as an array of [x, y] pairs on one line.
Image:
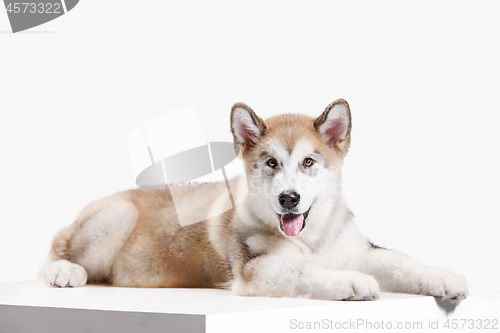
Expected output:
{"points": [[289, 199]]}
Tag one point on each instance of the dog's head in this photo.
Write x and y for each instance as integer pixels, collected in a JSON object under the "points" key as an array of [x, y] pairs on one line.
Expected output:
{"points": [[292, 163]]}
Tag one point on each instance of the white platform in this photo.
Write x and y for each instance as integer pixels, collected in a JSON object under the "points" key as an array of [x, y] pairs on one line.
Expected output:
{"points": [[35, 307]]}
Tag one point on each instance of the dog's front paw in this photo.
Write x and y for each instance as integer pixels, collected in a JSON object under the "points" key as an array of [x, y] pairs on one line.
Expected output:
{"points": [[355, 286], [444, 283]]}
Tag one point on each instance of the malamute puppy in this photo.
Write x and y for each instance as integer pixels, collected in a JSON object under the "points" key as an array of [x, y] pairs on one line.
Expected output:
{"points": [[292, 236]]}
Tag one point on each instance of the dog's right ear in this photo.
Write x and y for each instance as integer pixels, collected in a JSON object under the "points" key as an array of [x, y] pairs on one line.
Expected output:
{"points": [[246, 126], [334, 125]]}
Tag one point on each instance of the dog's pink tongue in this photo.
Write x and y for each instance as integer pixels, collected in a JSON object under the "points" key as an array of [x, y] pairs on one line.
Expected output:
{"points": [[292, 224]]}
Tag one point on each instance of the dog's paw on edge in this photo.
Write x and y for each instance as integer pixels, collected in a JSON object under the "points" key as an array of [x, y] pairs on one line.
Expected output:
{"points": [[66, 274], [444, 284]]}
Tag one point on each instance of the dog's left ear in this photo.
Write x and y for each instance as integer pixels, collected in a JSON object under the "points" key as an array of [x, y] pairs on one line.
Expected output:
{"points": [[246, 126], [334, 125]]}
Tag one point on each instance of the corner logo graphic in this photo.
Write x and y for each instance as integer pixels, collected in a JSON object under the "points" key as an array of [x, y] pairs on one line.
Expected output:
{"points": [[171, 149], [26, 14]]}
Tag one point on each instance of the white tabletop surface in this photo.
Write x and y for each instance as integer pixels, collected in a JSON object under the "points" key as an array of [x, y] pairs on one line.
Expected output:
{"points": [[223, 312], [188, 301]]}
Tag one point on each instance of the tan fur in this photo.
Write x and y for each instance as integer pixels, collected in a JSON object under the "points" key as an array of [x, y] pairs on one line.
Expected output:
{"points": [[61, 244], [159, 253], [288, 129]]}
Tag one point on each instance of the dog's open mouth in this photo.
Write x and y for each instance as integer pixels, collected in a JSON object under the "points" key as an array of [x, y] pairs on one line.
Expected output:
{"points": [[292, 224]]}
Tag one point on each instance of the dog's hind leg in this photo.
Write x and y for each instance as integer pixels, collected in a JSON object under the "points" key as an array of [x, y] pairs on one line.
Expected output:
{"points": [[86, 249], [61, 273]]}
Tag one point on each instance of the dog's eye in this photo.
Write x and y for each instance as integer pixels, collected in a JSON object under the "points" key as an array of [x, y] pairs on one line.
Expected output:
{"points": [[308, 162], [272, 163]]}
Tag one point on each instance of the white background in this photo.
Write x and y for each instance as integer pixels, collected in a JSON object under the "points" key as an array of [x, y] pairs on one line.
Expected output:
{"points": [[422, 80]]}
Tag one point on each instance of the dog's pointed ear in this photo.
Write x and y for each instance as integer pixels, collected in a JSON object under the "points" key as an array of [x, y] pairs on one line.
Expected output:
{"points": [[246, 126], [334, 125]]}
